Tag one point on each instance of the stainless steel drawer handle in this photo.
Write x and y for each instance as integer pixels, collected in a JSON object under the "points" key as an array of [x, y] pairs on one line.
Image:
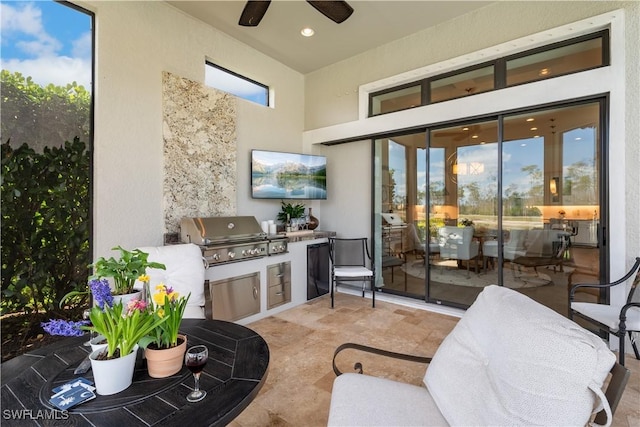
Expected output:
{"points": [[255, 293]]}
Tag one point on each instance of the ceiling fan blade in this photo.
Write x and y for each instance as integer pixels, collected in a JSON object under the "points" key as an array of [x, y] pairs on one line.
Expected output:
{"points": [[253, 12], [337, 11]]}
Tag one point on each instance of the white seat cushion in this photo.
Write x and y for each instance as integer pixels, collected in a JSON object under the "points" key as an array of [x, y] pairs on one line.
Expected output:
{"points": [[609, 315], [193, 312], [363, 400], [512, 361], [352, 272], [184, 273]]}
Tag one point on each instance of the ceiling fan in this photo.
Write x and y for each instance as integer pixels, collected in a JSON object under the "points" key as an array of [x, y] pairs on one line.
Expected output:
{"points": [[253, 12]]}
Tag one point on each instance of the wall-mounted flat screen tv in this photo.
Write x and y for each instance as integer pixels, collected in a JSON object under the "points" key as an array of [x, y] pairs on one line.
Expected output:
{"points": [[278, 175]]}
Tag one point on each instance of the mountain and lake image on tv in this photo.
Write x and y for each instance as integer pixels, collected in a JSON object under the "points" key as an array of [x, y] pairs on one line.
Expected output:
{"points": [[279, 175]]}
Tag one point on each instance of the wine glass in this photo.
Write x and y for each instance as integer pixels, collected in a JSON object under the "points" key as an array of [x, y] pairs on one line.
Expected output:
{"points": [[196, 358]]}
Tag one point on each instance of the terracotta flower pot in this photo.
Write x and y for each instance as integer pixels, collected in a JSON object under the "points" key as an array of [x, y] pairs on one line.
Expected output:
{"points": [[165, 362]]}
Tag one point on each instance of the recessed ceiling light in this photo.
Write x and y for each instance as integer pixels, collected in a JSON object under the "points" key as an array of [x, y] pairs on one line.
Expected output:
{"points": [[307, 32], [530, 119], [544, 72], [534, 128]]}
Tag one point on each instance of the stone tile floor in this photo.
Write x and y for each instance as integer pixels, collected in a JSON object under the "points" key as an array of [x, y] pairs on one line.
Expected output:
{"points": [[302, 340]]}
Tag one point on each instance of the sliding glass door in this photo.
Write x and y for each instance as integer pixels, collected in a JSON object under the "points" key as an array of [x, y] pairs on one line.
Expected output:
{"points": [[401, 214], [514, 200], [463, 212]]}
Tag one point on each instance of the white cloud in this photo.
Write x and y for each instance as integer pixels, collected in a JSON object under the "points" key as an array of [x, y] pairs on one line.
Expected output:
{"points": [[22, 25], [40, 47], [82, 46], [59, 70], [27, 20]]}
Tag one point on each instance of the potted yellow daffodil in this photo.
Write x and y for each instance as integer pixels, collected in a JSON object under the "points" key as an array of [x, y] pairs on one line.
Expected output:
{"points": [[166, 350]]}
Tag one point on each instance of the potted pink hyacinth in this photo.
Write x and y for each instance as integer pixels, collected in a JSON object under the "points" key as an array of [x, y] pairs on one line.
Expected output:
{"points": [[122, 325]]}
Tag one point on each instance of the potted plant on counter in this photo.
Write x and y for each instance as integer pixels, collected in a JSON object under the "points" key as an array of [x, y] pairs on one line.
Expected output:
{"points": [[290, 211], [166, 346]]}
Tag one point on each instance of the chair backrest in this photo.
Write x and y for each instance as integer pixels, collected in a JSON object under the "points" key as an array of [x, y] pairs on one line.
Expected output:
{"points": [[184, 272], [634, 294], [544, 243], [414, 242], [516, 240], [455, 242], [349, 252], [558, 224]]}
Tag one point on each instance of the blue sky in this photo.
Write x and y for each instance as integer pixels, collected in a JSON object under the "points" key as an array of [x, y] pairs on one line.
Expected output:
{"points": [[45, 40], [579, 146], [51, 43]]}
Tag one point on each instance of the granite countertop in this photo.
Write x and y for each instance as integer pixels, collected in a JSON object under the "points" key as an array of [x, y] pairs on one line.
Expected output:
{"points": [[317, 234]]}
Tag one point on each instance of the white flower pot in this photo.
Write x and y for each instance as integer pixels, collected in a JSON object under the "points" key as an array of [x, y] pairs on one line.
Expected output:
{"points": [[127, 297], [113, 375], [95, 343]]}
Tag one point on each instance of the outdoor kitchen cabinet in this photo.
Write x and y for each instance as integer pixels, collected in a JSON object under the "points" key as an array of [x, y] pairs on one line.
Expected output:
{"points": [[278, 284], [233, 298], [278, 293]]}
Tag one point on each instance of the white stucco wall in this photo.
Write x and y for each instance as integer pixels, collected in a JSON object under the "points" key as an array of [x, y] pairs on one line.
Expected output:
{"points": [[135, 42], [332, 108]]}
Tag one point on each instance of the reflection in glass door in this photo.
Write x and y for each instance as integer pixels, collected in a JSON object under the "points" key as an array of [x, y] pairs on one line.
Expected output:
{"points": [[551, 203], [514, 201], [400, 215], [463, 214]]}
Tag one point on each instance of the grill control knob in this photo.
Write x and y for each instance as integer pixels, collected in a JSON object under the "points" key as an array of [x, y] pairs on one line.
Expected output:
{"points": [[216, 257], [231, 255]]}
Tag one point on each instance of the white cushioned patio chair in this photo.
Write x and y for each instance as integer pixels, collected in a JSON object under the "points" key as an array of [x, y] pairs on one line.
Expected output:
{"points": [[509, 361], [618, 320], [458, 243]]}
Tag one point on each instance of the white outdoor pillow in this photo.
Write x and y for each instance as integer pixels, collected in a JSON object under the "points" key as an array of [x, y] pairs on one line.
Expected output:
{"points": [[184, 273], [512, 361]]}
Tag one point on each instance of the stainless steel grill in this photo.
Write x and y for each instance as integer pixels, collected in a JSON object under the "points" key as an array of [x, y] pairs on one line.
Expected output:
{"points": [[230, 238]]}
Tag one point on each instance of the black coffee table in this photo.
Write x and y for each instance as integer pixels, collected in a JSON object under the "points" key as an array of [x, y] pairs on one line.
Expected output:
{"points": [[236, 370]]}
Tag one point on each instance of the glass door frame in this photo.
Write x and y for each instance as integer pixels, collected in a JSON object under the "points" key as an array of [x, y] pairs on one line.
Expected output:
{"points": [[602, 181]]}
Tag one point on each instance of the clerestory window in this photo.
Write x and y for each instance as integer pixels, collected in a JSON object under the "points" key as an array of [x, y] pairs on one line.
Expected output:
{"points": [[236, 84]]}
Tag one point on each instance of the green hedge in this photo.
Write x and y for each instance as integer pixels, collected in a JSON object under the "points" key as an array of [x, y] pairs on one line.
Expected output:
{"points": [[45, 225]]}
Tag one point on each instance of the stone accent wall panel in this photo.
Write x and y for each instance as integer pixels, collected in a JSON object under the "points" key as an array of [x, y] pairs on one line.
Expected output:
{"points": [[199, 132]]}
